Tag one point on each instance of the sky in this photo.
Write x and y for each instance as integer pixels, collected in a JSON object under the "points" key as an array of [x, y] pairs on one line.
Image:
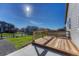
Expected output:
{"points": [[47, 15]]}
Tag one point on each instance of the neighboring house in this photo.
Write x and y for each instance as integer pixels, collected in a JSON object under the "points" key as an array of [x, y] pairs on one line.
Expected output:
{"points": [[72, 22], [6, 27]]}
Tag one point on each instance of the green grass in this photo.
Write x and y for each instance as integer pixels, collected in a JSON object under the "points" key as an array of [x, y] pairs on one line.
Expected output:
{"points": [[20, 41], [6, 34], [11, 34]]}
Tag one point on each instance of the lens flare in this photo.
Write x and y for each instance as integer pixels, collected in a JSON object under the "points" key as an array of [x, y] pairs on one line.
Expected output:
{"points": [[28, 10]]}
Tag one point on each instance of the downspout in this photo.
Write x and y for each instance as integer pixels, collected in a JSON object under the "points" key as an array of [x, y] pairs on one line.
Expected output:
{"points": [[66, 14]]}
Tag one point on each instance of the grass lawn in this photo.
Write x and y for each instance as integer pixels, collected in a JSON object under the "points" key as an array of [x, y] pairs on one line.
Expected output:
{"points": [[10, 34], [20, 41], [6, 34]]}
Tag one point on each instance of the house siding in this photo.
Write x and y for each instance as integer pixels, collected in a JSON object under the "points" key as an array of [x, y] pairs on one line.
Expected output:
{"points": [[6, 27], [73, 14]]}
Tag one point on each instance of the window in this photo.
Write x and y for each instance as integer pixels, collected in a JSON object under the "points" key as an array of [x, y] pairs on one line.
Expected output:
{"points": [[69, 23]]}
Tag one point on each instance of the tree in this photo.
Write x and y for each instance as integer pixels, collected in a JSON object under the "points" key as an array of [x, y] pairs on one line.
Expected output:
{"points": [[30, 29], [62, 29]]}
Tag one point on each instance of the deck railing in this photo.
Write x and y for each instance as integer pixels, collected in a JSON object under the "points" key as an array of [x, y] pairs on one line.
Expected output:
{"points": [[38, 34]]}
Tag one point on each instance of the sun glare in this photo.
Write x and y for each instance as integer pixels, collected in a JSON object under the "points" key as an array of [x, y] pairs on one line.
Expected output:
{"points": [[28, 10]]}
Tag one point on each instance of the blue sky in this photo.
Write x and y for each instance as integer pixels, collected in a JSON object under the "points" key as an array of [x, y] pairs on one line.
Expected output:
{"points": [[42, 15]]}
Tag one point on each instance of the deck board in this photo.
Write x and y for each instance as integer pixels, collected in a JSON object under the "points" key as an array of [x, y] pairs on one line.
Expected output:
{"points": [[73, 49], [57, 43], [43, 40], [66, 46], [51, 44], [60, 43], [40, 41]]}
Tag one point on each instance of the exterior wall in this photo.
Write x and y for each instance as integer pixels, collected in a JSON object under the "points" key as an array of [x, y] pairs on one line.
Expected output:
{"points": [[73, 14], [6, 27]]}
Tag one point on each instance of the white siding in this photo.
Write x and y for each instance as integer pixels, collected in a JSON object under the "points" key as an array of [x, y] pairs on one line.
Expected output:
{"points": [[73, 14]]}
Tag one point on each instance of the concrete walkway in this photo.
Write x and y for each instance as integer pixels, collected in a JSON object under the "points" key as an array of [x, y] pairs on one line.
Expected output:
{"points": [[32, 50], [6, 47]]}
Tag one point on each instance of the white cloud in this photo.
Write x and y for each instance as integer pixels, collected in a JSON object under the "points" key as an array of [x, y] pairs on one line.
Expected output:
{"points": [[35, 23], [41, 25]]}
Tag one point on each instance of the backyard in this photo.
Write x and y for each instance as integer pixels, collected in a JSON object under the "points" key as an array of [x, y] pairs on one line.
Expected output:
{"points": [[18, 41]]}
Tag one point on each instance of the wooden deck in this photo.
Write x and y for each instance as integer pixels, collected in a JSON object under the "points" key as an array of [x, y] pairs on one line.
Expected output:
{"points": [[59, 43]]}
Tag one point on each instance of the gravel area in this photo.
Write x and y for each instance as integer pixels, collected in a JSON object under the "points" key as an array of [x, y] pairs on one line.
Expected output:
{"points": [[6, 47]]}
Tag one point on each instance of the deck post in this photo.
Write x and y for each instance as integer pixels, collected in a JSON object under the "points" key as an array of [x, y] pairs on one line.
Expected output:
{"points": [[33, 36]]}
